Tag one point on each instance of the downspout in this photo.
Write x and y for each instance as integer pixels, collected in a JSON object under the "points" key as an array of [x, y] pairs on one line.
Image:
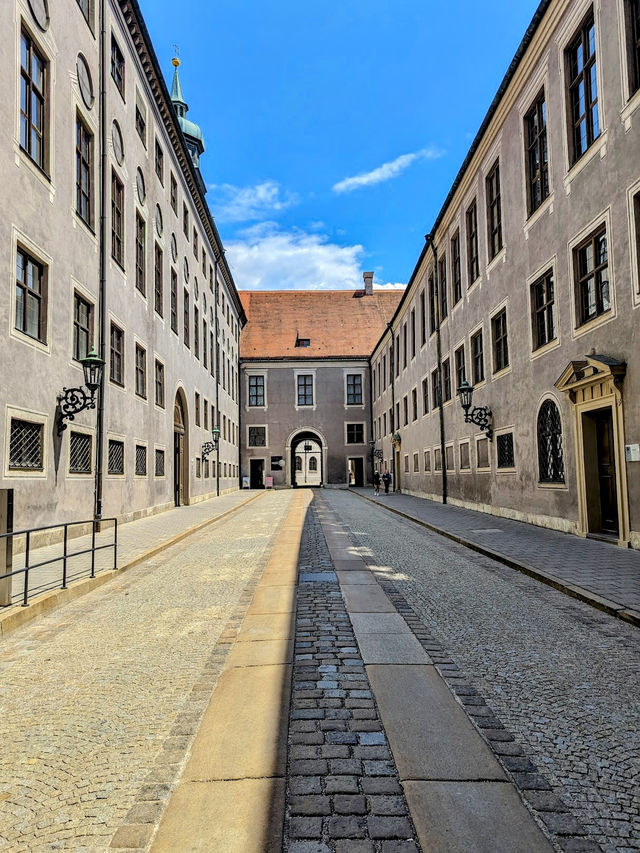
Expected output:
{"points": [[436, 294], [102, 293], [215, 308], [372, 446], [392, 425]]}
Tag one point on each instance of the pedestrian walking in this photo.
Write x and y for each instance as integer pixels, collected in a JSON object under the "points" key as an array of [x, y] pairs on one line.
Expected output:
{"points": [[376, 483], [386, 479]]}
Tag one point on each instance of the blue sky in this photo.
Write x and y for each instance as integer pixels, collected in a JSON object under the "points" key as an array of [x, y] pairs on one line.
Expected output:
{"points": [[333, 130]]}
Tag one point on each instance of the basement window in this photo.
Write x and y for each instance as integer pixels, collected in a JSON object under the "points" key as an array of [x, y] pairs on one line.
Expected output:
{"points": [[303, 342]]}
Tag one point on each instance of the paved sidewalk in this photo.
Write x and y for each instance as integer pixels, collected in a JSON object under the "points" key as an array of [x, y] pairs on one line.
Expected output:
{"points": [[603, 575]]}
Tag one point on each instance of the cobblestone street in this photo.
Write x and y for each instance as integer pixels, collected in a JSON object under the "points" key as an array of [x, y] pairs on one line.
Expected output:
{"points": [[561, 676]]}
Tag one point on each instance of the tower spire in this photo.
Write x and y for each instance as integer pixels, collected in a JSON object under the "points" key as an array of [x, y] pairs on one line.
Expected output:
{"points": [[191, 131]]}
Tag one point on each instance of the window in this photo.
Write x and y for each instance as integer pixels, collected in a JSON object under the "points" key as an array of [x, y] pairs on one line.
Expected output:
{"points": [[159, 162], [185, 317], [425, 396], [257, 436], [427, 460], [303, 342], [79, 453], [31, 296], [195, 244], [582, 90], [205, 415], [423, 319], [117, 219], [442, 285], [158, 290], [406, 463], [141, 371], [117, 66], [173, 191], [84, 172], [116, 355], [25, 446], [33, 70], [404, 346], [174, 301], [504, 445], [141, 119], [473, 268], [448, 458], [204, 268], [494, 211], [391, 421], [305, 390], [405, 409], [477, 357], [414, 403], [384, 424], [141, 460], [298, 463], [204, 343], [86, 10], [446, 379], [159, 383], [196, 331], [433, 319], [537, 154], [456, 274], [460, 369], [543, 310], [82, 326], [211, 353], [313, 463], [591, 263], [500, 344], [465, 462], [256, 390], [636, 217], [435, 388], [355, 433], [413, 333], [633, 43], [416, 463], [185, 220], [115, 457], [482, 452], [550, 454], [159, 463], [354, 389], [397, 354], [141, 239], [197, 407]]}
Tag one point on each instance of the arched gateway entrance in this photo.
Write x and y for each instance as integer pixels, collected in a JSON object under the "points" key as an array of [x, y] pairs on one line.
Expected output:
{"points": [[180, 451], [307, 459]]}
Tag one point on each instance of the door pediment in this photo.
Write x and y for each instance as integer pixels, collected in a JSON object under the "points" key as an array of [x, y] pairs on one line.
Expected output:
{"points": [[591, 370]]}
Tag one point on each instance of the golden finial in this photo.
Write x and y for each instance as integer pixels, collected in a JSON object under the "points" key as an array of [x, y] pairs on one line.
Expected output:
{"points": [[175, 61]]}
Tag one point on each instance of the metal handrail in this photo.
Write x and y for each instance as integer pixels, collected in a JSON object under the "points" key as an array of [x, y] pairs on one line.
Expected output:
{"points": [[64, 557]]}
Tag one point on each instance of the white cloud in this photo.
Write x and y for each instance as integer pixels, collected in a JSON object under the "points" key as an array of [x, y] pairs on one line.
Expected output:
{"points": [[387, 170], [244, 204]]}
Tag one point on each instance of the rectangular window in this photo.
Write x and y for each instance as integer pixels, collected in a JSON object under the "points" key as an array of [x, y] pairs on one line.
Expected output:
{"points": [[435, 389], [31, 296], [543, 318], [384, 424], [413, 333], [197, 407], [473, 268], [158, 290], [425, 396], [33, 101], [591, 264], [173, 193], [257, 436], [79, 453], [632, 12], [82, 326], [465, 462], [141, 371], [423, 319], [185, 220], [427, 460], [355, 433], [204, 343], [500, 343], [159, 463], [404, 346], [433, 306], [174, 301], [159, 162], [448, 458], [117, 66], [305, 390], [117, 219], [354, 389], [204, 263], [406, 463], [159, 383], [115, 457], [636, 234], [397, 354], [195, 244], [460, 368], [537, 154], [391, 421], [185, 317], [25, 445], [414, 403], [212, 350], [84, 172], [205, 415], [116, 355], [494, 211], [442, 286], [86, 10], [416, 463], [141, 119], [482, 452], [446, 379], [196, 331], [582, 92], [456, 274], [477, 358], [504, 446], [405, 410], [141, 460], [141, 244]]}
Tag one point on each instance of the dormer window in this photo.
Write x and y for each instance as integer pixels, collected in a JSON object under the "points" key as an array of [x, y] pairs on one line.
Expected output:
{"points": [[303, 342]]}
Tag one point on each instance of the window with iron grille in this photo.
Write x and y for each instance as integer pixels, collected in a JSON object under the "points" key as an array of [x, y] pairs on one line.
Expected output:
{"points": [[477, 357], [141, 243], [82, 326], [405, 409], [473, 267], [256, 390], [186, 316], [159, 463], [305, 390], [433, 317], [591, 261], [257, 436], [354, 389], [159, 162], [460, 368], [416, 463], [423, 318], [456, 274], [33, 101], [543, 310], [446, 379], [632, 11], [141, 460], [31, 301], [117, 219], [159, 282], [425, 396], [442, 286], [115, 457], [141, 371], [159, 383], [582, 81], [116, 355], [537, 154], [84, 172], [427, 460], [550, 452], [117, 66], [494, 211], [25, 445], [413, 333], [504, 444], [464, 456], [500, 343], [355, 433]]}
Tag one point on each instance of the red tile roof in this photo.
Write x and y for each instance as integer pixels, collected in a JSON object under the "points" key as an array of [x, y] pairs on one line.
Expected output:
{"points": [[338, 323]]}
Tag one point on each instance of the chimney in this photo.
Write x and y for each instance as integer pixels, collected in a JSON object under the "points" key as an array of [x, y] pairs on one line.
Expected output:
{"points": [[368, 283]]}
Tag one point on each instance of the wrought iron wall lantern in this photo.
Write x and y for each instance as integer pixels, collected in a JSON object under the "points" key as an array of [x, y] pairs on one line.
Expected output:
{"points": [[478, 415], [209, 446], [71, 401]]}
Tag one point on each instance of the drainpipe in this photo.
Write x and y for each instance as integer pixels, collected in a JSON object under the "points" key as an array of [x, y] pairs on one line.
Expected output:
{"points": [[436, 293], [215, 308], [392, 368], [102, 293]]}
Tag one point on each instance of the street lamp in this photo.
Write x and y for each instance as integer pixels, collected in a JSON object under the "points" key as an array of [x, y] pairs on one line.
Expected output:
{"points": [[71, 401], [479, 415], [208, 446]]}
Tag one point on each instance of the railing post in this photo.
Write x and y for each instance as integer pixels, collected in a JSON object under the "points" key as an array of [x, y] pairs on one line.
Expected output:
{"points": [[26, 569], [115, 544], [64, 558], [93, 548]]}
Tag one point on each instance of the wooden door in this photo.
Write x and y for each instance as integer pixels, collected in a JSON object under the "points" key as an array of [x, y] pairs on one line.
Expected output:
{"points": [[607, 472]]}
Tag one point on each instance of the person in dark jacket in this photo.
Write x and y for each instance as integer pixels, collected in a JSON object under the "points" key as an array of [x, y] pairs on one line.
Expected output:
{"points": [[386, 479], [376, 483]]}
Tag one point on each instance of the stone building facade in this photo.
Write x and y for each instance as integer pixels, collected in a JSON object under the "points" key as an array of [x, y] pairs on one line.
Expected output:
{"points": [[107, 240], [528, 287]]}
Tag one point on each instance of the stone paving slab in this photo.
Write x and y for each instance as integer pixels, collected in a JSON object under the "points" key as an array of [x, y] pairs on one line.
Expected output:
{"points": [[366, 598], [392, 648], [273, 599], [267, 626], [264, 653], [378, 623], [356, 577]]}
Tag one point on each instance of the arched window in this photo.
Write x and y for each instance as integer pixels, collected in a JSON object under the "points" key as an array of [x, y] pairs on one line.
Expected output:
{"points": [[313, 464], [550, 456], [298, 463]]}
